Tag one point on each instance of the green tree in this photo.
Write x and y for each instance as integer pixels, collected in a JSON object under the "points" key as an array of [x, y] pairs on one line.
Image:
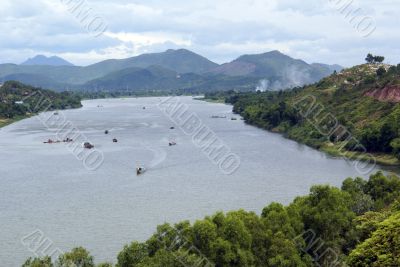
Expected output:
{"points": [[132, 255], [369, 58], [383, 189], [38, 262], [381, 71], [382, 249], [78, 256], [379, 59]]}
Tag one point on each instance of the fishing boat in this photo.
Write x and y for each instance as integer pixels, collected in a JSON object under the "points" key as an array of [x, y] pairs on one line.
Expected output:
{"points": [[115, 140], [88, 145], [172, 144], [106, 132], [218, 117]]}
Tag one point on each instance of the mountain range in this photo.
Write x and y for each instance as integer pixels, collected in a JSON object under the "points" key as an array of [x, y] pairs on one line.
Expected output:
{"points": [[169, 70]]}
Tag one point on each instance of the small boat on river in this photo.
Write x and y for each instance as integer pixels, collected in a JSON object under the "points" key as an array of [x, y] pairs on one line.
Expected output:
{"points": [[88, 145], [140, 171]]}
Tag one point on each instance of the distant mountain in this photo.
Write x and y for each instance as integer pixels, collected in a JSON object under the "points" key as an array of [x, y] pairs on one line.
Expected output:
{"points": [[37, 80], [181, 61], [151, 78], [276, 70], [41, 60], [269, 71], [156, 78], [324, 67]]}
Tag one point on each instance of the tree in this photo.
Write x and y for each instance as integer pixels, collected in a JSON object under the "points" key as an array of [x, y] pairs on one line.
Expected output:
{"points": [[395, 144], [374, 59], [78, 256], [383, 189], [38, 262], [132, 255], [382, 249], [381, 71], [356, 188], [379, 59], [369, 58], [327, 213]]}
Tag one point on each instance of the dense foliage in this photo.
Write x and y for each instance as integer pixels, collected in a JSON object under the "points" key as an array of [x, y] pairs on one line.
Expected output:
{"points": [[374, 122], [358, 224], [17, 99]]}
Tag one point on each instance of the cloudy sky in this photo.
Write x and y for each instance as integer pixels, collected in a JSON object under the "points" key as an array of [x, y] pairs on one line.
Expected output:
{"points": [[88, 31]]}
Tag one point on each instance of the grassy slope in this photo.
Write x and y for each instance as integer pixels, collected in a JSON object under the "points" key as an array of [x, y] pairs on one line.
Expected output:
{"points": [[342, 95]]}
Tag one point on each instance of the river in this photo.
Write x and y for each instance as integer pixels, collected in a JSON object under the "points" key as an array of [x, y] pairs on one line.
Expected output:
{"points": [[46, 189]]}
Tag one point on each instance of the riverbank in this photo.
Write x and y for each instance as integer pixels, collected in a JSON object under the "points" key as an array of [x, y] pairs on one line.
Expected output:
{"points": [[5, 122], [332, 149], [379, 158], [336, 149], [210, 100]]}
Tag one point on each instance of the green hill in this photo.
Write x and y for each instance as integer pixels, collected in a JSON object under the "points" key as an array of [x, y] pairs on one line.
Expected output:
{"points": [[354, 111], [18, 101]]}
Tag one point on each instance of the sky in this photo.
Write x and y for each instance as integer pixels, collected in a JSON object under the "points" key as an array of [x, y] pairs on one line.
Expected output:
{"points": [[88, 31]]}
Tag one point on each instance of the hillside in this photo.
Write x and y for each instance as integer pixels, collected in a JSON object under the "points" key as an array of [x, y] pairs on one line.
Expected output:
{"points": [[363, 99], [49, 61], [18, 101], [268, 71]]}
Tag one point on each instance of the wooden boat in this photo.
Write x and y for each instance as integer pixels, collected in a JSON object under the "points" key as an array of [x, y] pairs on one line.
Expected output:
{"points": [[88, 145], [218, 117]]}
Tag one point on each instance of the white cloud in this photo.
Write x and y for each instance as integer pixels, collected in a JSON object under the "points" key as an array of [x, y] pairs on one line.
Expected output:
{"points": [[222, 30]]}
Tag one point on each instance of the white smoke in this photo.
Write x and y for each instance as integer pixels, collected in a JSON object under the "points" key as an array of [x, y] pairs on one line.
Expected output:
{"points": [[263, 86], [290, 78]]}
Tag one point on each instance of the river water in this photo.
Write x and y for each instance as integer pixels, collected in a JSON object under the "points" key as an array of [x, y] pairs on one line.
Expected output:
{"points": [[45, 189]]}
